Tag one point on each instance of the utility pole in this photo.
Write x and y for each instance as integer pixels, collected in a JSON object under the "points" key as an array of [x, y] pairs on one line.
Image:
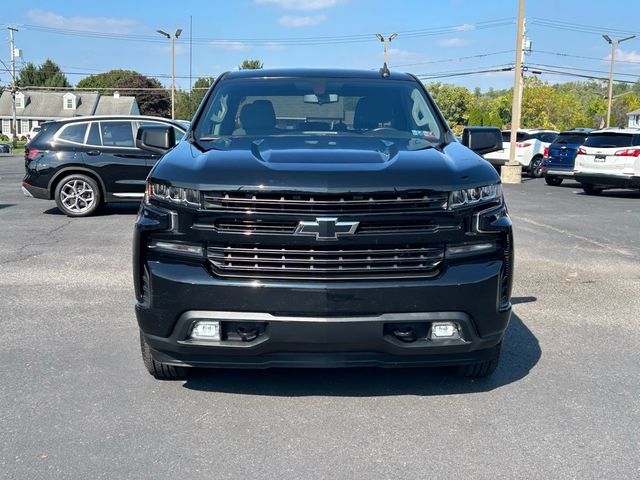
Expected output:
{"points": [[14, 88], [512, 171], [172, 39], [614, 45]]}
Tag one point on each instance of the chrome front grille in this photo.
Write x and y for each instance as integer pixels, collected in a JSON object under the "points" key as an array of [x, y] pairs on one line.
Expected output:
{"points": [[257, 226], [326, 263], [327, 203]]}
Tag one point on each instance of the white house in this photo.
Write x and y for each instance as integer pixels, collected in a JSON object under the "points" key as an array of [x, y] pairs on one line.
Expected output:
{"points": [[35, 107], [634, 119]]}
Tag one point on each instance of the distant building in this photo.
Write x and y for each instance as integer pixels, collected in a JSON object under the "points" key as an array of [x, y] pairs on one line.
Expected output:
{"points": [[634, 119], [35, 107]]}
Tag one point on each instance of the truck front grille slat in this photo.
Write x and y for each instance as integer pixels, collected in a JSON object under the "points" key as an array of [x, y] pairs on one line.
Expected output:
{"points": [[288, 227], [326, 263], [326, 203]]}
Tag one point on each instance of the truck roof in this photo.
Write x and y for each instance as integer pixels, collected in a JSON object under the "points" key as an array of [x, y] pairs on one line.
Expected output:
{"points": [[317, 72]]}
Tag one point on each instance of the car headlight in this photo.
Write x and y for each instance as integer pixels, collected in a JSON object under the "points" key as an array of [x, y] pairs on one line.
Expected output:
{"points": [[473, 196], [176, 195]]}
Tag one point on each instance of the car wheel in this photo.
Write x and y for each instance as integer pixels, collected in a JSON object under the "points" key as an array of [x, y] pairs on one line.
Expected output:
{"points": [[553, 181], [534, 167], [479, 369], [159, 370], [78, 195], [591, 189]]}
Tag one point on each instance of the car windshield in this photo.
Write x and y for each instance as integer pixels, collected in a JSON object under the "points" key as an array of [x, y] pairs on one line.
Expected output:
{"points": [[570, 138], [257, 107], [609, 140]]}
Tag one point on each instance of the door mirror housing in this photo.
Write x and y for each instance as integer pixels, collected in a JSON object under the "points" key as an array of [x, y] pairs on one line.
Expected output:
{"points": [[482, 140], [156, 138]]}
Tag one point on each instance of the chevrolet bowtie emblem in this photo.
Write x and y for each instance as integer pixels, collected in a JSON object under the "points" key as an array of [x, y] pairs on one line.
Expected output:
{"points": [[326, 228]]}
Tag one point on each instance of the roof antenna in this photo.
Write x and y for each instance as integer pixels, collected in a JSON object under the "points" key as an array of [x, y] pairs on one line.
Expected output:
{"points": [[384, 71]]}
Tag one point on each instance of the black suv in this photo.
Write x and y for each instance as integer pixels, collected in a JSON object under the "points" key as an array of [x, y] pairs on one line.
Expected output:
{"points": [[321, 218], [84, 162]]}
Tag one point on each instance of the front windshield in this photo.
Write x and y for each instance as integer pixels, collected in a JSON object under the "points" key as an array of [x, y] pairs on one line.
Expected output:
{"points": [[257, 107]]}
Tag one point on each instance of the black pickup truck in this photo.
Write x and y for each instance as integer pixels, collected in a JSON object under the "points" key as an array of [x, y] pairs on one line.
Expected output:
{"points": [[321, 218]]}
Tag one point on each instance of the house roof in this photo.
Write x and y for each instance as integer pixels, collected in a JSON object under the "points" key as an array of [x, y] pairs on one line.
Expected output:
{"points": [[46, 105], [116, 106], [635, 112]]}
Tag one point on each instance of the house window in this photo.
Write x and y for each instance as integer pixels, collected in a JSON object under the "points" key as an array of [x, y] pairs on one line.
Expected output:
{"points": [[24, 126], [19, 100], [6, 126], [69, 101]]}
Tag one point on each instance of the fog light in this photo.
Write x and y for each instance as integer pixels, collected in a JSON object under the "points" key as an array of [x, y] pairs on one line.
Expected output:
{"points": [[206, 330], [444, 331]]}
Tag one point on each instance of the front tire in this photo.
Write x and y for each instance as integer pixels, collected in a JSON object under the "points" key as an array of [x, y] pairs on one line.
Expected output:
{"points": [[480, 369], [78, 195], [159, 370], [553, 181], [591, 189]]}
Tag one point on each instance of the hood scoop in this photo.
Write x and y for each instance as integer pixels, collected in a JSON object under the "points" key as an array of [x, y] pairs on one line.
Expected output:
{"points": [[324, 151]]}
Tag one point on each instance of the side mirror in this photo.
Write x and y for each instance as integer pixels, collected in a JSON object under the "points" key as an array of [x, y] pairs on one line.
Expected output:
{"points": [[156, 138], [482, 140]]}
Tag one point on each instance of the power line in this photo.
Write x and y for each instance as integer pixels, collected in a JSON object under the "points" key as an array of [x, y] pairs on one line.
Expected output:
{"points": [[291, 41], [580, 69], [583, 57], [581, 28], [458, 59]]}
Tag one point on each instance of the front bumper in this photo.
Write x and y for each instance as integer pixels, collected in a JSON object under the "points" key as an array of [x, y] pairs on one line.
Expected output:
{"points": [[608, 181], [322, 324], [323, 342]]}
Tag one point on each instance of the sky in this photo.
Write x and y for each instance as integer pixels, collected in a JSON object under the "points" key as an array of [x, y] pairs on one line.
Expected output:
{"points": [[456, 41]]}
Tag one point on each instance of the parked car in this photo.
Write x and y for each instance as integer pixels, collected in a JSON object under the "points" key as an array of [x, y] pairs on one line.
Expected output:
{"points": [[530, 145], [84, 162], [559, 157], [321, 218], [33, 132], [609, 158], [5, 148]]}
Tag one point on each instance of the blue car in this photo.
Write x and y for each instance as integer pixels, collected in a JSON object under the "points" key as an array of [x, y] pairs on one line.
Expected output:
{"points": [[560, 156]]}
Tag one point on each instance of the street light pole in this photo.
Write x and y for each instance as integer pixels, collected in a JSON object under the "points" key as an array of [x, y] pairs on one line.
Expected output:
{"points": [[172, 39], [614, 45], [385, 42]]}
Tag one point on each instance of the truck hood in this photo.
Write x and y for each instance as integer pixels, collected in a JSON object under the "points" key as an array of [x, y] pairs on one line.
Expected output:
{"points": [[325, 164]]}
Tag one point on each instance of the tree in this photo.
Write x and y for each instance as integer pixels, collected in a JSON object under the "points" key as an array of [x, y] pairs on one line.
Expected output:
{"points": [[454, 102], [250, 65], [152, 97], [48, 74], [187, 103]]}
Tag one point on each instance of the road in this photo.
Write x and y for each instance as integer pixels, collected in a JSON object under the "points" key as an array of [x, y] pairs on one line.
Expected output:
{"points": [[76, 401]]}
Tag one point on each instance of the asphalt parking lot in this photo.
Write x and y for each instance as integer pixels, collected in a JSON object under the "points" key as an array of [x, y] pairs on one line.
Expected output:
{"points": [[76, 401]]}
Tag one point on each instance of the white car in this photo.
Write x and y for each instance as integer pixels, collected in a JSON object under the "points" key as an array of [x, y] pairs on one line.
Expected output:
{"points": [[609, 158], [530, 145], [33, 132]]}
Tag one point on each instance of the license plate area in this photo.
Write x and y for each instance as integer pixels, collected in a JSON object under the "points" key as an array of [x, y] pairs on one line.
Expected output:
{"points": [[600, 158]]}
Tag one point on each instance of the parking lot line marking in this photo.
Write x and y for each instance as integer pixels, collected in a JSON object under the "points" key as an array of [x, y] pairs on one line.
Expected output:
{"points": [[578, 237]]}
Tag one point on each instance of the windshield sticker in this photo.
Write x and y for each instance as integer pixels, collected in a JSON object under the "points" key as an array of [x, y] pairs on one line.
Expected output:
{"points": [[423, 133]]}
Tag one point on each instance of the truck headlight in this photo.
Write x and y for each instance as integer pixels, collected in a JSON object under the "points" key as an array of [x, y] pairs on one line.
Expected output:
{"points": [[474, 196], [176, 195]]}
